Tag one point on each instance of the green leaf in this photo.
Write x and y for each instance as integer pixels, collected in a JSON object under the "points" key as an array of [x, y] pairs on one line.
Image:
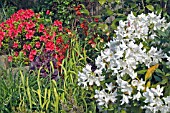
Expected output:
{"points": [[168, 75], [148, 1], [114, 25], [142, 71], [85, 11], [167, 90], [123, 111], [97, 16], [157, 78], [103, 27], [92, 24], [150, 7], [117, 1], [110, 1], [109, 12], [102, 2], [158, 10], [133, 5], [82, 5], [164, 80]]}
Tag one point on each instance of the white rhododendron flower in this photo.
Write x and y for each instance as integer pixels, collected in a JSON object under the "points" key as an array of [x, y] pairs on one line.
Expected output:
{"points": [[121, 58], [158, 91], [140, 84], [89, 77], [103, 98], [109, 86], [155, 103], [124, 86], [149, 95], [125, 99], [137, 96]]}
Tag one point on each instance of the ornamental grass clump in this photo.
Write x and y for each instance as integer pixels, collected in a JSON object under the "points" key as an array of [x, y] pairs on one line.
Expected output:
{"points": [[25, 34], [129, 72]]}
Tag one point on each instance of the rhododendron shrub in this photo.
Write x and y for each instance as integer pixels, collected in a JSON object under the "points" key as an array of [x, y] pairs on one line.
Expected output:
{"points": [[91, 30], [25, 34], [124, 78]]}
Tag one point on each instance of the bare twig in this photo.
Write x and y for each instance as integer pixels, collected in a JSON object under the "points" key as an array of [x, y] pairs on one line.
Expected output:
{"points": [[143, 4]]}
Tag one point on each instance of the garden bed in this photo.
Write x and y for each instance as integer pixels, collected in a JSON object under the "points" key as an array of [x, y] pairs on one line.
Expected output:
{"points": [[86, 56]]}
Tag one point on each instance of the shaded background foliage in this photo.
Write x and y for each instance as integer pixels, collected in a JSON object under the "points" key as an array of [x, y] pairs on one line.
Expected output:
{"points": [[63, 9]]}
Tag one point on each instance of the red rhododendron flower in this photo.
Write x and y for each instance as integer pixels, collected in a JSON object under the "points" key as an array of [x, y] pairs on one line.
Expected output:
{"points": [[41, 28], [82, 25], [31, 57], [92, 43], [96, 19], [47, 12], [57, 23], [68, 31], [43, 38], [37, 16], [47, 36], [78, 13], [22, 14], [30, 25], [24, 53], [2, 34], [60, 28], [16, 53], [53, 35], [37, 44], [0, 44], [27, 14], [10, 58], [50, 46], [26, 47], [66, 46], [33, 52], [20, 27], [30, 34], [57, 48], [12, 33], [15, 45], [59, 40], [77, 8]]}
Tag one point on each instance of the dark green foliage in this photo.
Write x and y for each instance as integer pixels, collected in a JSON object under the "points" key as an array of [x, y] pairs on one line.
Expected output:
{"points": [[6, 10], [162, 41], [61, 9]]}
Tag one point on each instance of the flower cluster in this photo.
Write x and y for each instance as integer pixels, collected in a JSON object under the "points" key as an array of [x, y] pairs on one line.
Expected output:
{"points": [[121, 59], [26, 33], [77, 9], [87, 77], [155, 103]]}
